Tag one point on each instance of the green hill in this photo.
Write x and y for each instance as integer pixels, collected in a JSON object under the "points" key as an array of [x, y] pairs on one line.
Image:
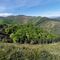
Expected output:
{"points": [[29, 38], [51, 25]]}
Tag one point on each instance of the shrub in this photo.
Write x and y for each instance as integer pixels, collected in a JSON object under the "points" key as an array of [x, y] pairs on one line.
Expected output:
{"points": [[44, 55], [18, 55]]}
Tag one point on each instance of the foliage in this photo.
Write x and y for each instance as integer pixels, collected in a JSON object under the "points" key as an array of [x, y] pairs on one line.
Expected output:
{"points": [[27, 33], [29, 52], [32, 35]]}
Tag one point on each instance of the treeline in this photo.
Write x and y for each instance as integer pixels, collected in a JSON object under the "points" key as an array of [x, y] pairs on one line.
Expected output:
{"points": [[26, 33]]}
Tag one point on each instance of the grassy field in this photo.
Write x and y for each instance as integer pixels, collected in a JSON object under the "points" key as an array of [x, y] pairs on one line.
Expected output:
{"points": [[11, 51]]}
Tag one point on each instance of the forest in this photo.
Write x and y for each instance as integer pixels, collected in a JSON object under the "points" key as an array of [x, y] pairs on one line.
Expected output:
{"points": [[26, 33]]}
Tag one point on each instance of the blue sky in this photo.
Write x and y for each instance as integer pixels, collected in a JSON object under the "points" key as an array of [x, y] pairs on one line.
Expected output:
{"points": [[30, 7]]}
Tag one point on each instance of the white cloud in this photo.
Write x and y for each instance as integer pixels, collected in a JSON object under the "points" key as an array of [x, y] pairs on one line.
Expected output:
{"points": [[6, 14], [51, 13], [9, 5]]}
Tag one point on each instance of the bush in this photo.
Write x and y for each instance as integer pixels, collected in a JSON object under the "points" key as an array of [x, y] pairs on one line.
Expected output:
{"points": [[18, 55], [44, 55]]}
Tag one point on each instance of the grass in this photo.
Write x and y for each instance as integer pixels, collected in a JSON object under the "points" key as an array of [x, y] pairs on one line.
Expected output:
{"points": [[29, 52], [52, 48]]}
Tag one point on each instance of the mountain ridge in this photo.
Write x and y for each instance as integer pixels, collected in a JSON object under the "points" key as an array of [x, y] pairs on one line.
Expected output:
{"points": [[49, 24]]}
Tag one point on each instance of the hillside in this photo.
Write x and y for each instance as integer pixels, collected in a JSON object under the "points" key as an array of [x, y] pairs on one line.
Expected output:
{"points": [[19, 19], [50, 24], [29, 38]]}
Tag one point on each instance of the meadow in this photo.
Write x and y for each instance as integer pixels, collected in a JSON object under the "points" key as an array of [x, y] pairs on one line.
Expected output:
{"points": [[11, 51]]}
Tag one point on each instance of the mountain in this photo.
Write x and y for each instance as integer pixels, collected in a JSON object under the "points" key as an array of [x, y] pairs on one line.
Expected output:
{"points": [[55, 17], [17, 19], [58, 18], [52, 25]]}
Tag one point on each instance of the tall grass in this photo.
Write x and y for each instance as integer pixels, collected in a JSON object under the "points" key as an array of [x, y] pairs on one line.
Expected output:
{"points": [[29, 52]]}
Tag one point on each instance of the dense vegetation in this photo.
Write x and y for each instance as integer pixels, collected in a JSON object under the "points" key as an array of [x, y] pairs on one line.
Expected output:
{"points": [[49, 24], [29, 52], [29, 38], [27, 33]]}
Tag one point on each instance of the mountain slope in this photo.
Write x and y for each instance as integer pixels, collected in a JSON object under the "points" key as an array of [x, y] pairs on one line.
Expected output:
{"points": [[49, 24]]}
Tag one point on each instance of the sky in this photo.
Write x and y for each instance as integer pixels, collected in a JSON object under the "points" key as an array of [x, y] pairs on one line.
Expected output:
{"points": [[46, 8]]}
